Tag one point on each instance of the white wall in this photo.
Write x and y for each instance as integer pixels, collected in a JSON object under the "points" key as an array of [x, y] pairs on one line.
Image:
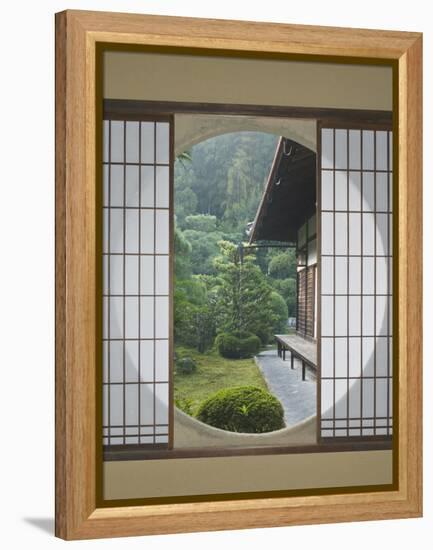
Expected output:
{"points": [[27, 267]]}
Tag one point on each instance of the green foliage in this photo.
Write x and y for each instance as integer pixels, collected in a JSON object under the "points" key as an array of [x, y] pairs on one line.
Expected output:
{"points": [[287, 289], [204, 247], [242, 293], [279, 308], [283, 265], [185, 365], [201, 222], [207, 176], [236, 347], [213, 373], [186, 405], [244, 409], [194, 325], [194, 289], [182, 260]]}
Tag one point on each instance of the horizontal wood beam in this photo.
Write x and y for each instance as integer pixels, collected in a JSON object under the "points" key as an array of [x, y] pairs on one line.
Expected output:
{"points": [[124, 109]]}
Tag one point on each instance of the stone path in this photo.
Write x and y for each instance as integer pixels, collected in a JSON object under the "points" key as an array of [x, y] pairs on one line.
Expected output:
{"points": [[297, 397]]}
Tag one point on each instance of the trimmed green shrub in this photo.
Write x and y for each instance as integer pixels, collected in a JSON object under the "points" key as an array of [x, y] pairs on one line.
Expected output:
{"points": [[234, 347], [243, 409], [186, 405], [185, 365]]}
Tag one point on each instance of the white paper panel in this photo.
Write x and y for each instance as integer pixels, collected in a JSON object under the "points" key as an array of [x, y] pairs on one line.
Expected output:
{"points": [[162, 232], [162, 142], [116, 275], [146, 360], [162, 271], [341, 357], [162, 186], [367, 150], [131, 185], [381, 192], [131, 403], [131, 361], [355, 357], [105, 140], [368, 275], [368, 234], [115, 369], [327, 274], [327, 148], [340, 398], [161, 404], [354, 149], [341, 152], [116, 405], [147, 231], [116, 318], [146, 317], [327, 316], [161, 360], [117, 141], [355, 275], [146, 403], [147, 143], [382, 357], [146, 274], [327, 233], [327, 398], [116, 185], [382, 234], [341, 190], [116, 230], [131, 274], [340, 275], [161, 316], [132, 141], [368, 315], [381, 150], [368, 190], [355, 315], [327, 190], [340, 233], [131, 228], [327, 357], [368, 355], [340, 316], [354, 234], [354, 191]]}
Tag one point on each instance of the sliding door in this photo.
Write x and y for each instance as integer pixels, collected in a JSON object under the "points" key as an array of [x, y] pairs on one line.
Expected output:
{"points": [[137, 256], [355, 283]]}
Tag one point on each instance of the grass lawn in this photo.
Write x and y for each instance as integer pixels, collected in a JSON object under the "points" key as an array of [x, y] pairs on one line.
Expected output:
{"points": [[213, 373]]}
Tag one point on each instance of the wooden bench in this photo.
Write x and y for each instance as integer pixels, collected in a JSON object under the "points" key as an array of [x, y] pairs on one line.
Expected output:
{"points": [[303, 349]]}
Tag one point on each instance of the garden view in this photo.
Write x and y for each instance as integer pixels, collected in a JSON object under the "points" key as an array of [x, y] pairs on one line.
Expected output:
{"points": [[229, 299]]}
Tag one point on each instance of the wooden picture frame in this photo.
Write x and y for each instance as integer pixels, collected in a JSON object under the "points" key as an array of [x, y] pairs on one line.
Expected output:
{"points": [[79, 34]]}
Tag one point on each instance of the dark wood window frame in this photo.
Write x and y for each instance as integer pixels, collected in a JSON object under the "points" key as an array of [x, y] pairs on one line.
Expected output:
{"points": [[138, 110]]}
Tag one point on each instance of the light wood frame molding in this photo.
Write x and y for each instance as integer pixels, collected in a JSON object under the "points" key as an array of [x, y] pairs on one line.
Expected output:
{"points": [[77, 35]]}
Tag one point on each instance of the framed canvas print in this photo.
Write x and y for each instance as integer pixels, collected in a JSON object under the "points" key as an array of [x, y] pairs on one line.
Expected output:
{"points": [[238, 274]]}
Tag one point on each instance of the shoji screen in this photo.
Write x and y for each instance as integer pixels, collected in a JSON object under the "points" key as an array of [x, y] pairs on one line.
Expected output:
{"points": [[355, 283], [137, 194]]}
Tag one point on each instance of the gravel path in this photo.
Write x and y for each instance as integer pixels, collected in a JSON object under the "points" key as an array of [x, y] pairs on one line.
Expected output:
{"points": [[297, 397]]}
